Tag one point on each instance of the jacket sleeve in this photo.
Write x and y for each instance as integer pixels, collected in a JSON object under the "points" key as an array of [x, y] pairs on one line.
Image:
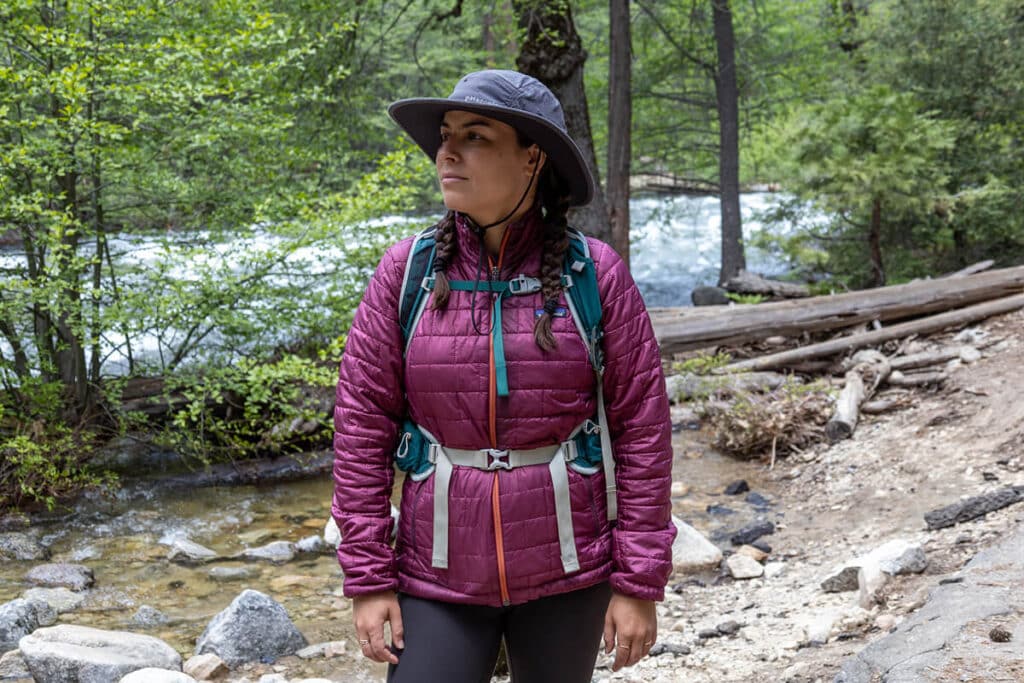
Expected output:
{"points": [[636, 403], [368, 406]]}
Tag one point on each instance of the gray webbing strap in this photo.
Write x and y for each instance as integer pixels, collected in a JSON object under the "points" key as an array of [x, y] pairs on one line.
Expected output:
{"points": [[607, 459], [554, 456], [442, 479]]}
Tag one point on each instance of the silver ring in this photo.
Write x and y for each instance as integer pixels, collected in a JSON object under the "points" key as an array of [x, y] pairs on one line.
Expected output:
{"points": [[623, 647]]}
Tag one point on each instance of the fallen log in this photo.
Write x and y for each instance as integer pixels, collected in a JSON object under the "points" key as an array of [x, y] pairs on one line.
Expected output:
{"points": [[883, 405], [919, 379], [688, 386], [928, 358], [870, 368], [972, 269], [972, 508], [752, 283], [681, 329], [927, 325]]}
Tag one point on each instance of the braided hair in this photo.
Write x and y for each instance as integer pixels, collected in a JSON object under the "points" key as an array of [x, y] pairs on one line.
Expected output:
{"points": [[447, 247]]}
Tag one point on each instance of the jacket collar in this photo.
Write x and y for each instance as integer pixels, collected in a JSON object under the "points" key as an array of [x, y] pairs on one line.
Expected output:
{"points": [[525, 239]]}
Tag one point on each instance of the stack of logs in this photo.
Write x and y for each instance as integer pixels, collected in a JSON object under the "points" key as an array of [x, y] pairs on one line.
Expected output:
{"points": [[858, 324]]}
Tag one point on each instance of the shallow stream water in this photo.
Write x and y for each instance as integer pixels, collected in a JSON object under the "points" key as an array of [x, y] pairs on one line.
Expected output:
{"points": [[124, 539]]}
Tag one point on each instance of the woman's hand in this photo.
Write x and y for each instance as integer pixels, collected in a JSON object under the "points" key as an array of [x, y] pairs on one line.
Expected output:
{"points": [[369, 613], [631, 627]]}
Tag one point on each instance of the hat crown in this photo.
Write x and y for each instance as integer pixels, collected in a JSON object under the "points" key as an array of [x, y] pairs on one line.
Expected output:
{"points": [[512, 90]]}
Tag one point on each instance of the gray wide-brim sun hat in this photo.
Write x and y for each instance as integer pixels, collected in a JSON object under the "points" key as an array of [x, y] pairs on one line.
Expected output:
{"points": [[519, 100]]}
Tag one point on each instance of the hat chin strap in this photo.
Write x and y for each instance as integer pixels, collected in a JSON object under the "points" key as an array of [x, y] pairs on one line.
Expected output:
{"points": [[481, 228]]}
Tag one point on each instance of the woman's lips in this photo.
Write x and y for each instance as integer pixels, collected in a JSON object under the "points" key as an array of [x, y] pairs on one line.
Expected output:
{"points": [[451, 178]]}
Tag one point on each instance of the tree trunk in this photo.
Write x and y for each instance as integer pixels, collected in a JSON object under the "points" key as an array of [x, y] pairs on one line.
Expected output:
{"points": [[733, 260], [875, 245], [553, 53], [619, 124]]}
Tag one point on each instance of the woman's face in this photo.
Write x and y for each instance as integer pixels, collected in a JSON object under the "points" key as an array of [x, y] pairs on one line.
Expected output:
{"points": [[482, 169]]}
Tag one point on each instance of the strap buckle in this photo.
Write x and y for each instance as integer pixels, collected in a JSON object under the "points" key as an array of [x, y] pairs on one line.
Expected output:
{"points": [[497, 459], [521, 284], [428, 283]]}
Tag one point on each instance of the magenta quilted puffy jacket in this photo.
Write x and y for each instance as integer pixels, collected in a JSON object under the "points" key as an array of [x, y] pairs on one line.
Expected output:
{"points": [[503, 536]]}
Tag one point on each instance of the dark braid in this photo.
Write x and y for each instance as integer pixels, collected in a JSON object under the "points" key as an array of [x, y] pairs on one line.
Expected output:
{"points": [[554, 196], [447, 247]]}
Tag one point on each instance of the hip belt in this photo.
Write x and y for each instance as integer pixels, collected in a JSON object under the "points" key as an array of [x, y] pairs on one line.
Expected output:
{"points": [[556, 457]]}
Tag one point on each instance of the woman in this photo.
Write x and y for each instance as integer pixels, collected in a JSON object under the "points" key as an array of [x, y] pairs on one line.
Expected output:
{"points": [[503, 551]]}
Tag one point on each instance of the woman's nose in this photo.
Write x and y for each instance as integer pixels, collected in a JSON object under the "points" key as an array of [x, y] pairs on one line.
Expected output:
{"points": [[447, 150]]}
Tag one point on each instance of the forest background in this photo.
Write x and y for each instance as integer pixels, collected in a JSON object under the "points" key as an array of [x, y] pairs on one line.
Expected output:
{"points": [[209, 126]]}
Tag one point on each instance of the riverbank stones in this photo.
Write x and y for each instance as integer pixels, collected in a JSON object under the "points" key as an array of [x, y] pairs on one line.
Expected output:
{"points": [[89, 655], [205, 667], [15, 545], [691, 552], [254, 627], [184, 551], [75, 577], [744, 567], [153, 675], [60, 599], [231, 573], [277, 552], [20, 617]]}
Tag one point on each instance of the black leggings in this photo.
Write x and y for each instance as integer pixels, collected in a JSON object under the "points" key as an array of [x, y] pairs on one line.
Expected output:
{"points": [[553, 639]]}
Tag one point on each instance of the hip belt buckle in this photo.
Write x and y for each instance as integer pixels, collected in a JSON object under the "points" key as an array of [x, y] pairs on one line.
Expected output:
{"points": [[497, 459]]}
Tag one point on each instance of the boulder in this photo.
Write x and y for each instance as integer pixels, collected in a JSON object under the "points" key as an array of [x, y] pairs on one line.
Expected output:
{"points": [[870, 580], [184, 551], [332, 536], [691, 552], [15, 545], [895, 557], [313, 545], [74, 577], [20, 617], [231, 573], [78, 654], [709, 296], [60, 599], [153, 675], [254, 627], [13, 667]]}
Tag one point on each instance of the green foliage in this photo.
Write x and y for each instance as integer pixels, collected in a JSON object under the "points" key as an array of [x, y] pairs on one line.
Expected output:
{"points": [[251, 408], [702, 364], [746, 299], [42, 460]]}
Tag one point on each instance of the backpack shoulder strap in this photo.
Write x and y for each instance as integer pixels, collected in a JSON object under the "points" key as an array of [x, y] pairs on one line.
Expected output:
{"points": [[413, 296], [580, 280]]}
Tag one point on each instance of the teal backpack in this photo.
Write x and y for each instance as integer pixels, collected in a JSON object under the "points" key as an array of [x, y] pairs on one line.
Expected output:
{"points": [[579, 280]]}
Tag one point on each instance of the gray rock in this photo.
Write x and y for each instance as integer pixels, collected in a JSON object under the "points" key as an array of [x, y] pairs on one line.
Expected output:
{"points": [[149, 617], [752, 532], [668, 649], [60, 599], [231, 573], [870, 580], [252, 628], [691, 552], [901, 557], [184, 551], [20, 617], [15, 545], [841, 580], [728, 628], [13, 667], [78, 654], [943, 634], [709, 296], [74, 577], [205, 667], [277, 552], [154, 675], [744, 567], [332, 536], [312, 545]]}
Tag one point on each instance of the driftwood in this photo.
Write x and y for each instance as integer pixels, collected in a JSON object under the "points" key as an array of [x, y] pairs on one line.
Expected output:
{"points": [[870, 369], [928, 358], [972, 269], [972, 508], [681, 329], [930, 324], [918, 379], [752, 283], [883, 405], [688, 386]]}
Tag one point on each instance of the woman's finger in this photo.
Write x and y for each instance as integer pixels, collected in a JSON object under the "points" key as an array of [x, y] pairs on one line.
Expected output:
{"points": [[379, 649]]}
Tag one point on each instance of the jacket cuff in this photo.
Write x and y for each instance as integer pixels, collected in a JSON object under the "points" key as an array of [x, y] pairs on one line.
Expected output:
{"points": [[368, 568], [643, 562]]}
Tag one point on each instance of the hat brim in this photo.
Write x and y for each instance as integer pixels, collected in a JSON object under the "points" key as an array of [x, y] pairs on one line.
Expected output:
{"points": [[421, 119]]}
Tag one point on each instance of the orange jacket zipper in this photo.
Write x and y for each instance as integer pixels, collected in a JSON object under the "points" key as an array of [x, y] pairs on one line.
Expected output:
{"points": [[492, 424]]}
